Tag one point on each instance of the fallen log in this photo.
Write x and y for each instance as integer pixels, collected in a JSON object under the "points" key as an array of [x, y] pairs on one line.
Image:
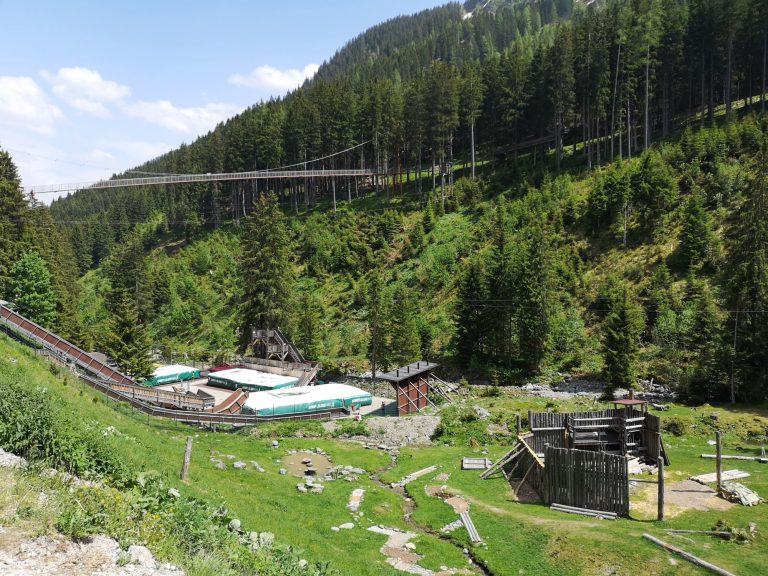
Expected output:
{"points": [[719, 534], [688, 556], [736, 457], [584, 511]]}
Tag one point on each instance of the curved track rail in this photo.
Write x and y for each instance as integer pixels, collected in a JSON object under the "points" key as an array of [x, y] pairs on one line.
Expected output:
{"points": [[117, 386]]}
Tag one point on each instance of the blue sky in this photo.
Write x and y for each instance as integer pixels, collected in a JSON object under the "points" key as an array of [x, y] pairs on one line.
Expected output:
{"points": [[88, 89]]}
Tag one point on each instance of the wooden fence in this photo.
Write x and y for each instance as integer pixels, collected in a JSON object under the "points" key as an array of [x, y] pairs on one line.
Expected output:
{"points": [[584, 479]]}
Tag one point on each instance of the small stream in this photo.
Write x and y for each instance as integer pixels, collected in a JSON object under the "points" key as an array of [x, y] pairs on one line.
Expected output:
{"points": [[410, 506]]}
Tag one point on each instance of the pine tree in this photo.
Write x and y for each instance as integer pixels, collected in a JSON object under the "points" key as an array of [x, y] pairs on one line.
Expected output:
{"points": [[266, 273], [748, 287], [535, 296], [402, 341], [308, 331], [31, 291], [471, 315], [127, 340], [621, 329], [696, 236], [12, 215], [707, 378]]}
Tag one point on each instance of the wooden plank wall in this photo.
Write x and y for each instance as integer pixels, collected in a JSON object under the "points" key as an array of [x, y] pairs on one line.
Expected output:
{"points": [[538, 420], [585, 479], [651, 432]]}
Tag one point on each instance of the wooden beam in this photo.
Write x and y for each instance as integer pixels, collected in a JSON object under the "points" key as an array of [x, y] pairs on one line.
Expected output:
{"points": [[719, 463], [690, 557]]}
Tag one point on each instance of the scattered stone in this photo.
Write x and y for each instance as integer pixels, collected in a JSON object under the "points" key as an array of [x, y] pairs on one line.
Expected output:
{"points": [[335, 528], [275, 444], [303, 564], [455, 525], [481, 412], [317, 489], [410, 546], [283, 471], [234, 525], [347, 526], [8, 460], [257, 466], [266, 539], [142, 556], [301, 488], [240, 465], [355, 499]]}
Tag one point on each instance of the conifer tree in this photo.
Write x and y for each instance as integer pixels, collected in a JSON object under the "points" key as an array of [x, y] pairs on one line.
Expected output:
{"points": [[748, 287], [707, 378], [127, 340], [31, 291], [266, 273], [534, 295], [402, 342], [308, 331], [621, 329], [471, 315], [12, 214], [696, 236]]}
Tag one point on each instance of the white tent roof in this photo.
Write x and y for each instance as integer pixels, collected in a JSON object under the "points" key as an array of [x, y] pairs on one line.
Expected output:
{"points": [[253, 377], [301, 395], [171, 370]]}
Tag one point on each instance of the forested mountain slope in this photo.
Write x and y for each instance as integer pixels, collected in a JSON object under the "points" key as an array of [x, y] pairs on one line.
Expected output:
{"points": [[623, 241]]}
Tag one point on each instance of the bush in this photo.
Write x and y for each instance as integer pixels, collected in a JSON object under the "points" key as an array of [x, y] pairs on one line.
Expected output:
{"points": [[33, 427], [675, 426]]}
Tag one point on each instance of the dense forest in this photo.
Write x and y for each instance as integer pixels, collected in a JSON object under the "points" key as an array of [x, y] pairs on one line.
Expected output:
{"points": [[574, 187]]}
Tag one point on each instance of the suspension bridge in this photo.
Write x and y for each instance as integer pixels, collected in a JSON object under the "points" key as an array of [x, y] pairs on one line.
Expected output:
{"points": [[208, 177], [283, 173]]}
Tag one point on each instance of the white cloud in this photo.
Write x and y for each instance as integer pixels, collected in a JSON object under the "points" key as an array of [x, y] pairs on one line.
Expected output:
{"points": [[24, 105], [86, 91], [99, 156], [186, 120], [272, 80]]}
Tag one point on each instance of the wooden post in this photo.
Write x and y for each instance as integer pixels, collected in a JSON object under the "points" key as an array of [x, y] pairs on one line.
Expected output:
{"points": [[660, 463], [719, 463], [519, 424], [187, 457]]}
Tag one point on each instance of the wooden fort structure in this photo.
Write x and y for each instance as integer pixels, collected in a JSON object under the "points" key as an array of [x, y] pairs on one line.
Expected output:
{"points": [[411, 385], [581, 459]]}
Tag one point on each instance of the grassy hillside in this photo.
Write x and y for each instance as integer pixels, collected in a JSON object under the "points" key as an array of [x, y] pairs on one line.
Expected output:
{"points": [[634, 221], [527, 538]]}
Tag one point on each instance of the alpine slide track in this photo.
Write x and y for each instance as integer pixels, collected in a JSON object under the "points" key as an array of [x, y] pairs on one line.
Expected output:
{"points": [[187, 408]]}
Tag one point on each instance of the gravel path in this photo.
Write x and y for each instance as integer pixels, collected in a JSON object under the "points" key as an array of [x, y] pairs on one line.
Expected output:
{"points": [[21, 555], [407, 431]]}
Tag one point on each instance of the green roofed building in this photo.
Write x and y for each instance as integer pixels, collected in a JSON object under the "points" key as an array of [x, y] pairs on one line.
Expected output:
{"points": [[171, 374], [250, 380], [306, 399]]}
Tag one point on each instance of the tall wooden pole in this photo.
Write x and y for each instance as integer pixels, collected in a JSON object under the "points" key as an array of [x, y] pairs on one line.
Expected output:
{"points": [[719, 464], [187, 458], [660, 461]]}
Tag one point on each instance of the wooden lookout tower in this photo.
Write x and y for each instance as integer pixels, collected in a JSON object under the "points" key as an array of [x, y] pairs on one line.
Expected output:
{"points": [[411, 383]]}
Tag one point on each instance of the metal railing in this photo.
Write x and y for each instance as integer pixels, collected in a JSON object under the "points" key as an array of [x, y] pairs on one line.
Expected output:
{"points": [[192, 178]]}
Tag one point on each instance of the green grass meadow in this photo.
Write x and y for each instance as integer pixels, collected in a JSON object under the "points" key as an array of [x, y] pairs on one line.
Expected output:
{"points": [[518, 538]]}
